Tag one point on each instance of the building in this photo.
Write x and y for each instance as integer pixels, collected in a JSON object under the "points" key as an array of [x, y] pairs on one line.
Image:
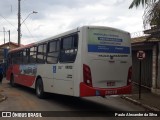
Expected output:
{"points": [[150, 67], [4, 48]]}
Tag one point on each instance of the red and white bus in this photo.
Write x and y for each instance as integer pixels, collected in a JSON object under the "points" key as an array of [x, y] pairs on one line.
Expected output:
{"points": [[86, 61]]}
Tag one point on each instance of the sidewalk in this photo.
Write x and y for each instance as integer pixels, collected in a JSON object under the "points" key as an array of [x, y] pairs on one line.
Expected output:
{"points": [[148, 100]]}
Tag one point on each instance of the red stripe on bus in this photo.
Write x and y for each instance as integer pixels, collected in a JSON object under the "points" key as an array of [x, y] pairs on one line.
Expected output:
{"points": [[22, 79], [26, 80], [91, 91]]}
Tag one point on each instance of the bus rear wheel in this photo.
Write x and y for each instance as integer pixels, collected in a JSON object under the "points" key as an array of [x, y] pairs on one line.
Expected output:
{"points": [[39, 89]]}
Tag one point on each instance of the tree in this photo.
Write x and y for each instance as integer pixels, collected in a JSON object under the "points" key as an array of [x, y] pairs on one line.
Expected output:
{"points": [[136, 3], [152, 11], [152, 15]]}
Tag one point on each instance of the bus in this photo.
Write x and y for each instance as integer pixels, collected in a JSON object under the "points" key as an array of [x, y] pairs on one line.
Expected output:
{"points": [[86, 61]]}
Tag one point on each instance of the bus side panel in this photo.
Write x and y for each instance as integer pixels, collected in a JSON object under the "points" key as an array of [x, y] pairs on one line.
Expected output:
{"points": [[23, 74], [45, 71], [16, 72], [78, 73], [63, 78], [27, 74], [9, 72], [27, 80], [63, 87], [57, 78]]}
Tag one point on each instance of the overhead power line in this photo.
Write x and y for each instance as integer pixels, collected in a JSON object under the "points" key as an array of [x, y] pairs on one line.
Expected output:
{"points": [[28, 30], [8, 21]]}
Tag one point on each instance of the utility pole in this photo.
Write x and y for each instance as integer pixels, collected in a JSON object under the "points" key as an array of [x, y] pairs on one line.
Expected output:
{"points": [[9, 38], [8, 34], [4, 33], [19, 22]]}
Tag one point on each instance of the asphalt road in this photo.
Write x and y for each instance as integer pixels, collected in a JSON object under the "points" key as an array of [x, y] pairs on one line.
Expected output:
{"points": [[24, 99]]}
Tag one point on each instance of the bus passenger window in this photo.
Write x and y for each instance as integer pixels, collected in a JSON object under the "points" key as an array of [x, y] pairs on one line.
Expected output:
{"points": [[25, 56], [41, 54], [18, 57], [67, 43], [53, 52], [68, 50], [33, 53]]}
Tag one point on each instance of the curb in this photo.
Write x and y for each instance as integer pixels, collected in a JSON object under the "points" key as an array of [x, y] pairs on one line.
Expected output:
{"points": [[140, 104]]}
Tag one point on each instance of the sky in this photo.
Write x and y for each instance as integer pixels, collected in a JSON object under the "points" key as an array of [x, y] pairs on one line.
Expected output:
{"points": [[58, 16]]}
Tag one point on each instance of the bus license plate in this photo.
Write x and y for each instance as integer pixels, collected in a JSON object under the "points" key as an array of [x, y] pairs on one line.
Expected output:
{"points": [[111, 92]]}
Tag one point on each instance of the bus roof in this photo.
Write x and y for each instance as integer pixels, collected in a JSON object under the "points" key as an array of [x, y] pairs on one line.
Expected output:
{"points": [[63, 34]]}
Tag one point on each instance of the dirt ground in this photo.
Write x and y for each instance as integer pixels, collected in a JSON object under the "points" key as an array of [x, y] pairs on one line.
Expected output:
{"points": [[1, 96]]}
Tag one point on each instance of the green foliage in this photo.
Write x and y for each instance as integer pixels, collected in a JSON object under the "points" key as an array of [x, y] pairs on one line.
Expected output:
{"points": [[152, 15], [136, 3]]}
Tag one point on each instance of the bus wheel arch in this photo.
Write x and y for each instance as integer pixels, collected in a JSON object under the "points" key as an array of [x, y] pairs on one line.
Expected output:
{"points": [[39, 87]]}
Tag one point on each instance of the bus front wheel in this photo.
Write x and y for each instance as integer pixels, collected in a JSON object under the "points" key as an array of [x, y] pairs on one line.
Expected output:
{"points": [[39, 88]]}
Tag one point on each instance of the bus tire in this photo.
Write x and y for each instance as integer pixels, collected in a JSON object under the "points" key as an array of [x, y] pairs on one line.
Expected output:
{"points": [[39, 89], [12, 81]]}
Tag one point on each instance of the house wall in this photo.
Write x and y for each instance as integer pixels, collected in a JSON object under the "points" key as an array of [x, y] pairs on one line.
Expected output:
{"points": [[156, 83], [3, 60], [146, 67], [4, 46], [154, 64], [150, 66]]}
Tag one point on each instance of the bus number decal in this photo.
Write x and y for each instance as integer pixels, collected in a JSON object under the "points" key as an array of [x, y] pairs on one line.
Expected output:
{"points": [[54, 69], [68, 67], [69, 76]]}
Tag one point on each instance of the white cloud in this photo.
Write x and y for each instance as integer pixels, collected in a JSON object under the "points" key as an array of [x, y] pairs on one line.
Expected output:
{"points": [[56, 16]]}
